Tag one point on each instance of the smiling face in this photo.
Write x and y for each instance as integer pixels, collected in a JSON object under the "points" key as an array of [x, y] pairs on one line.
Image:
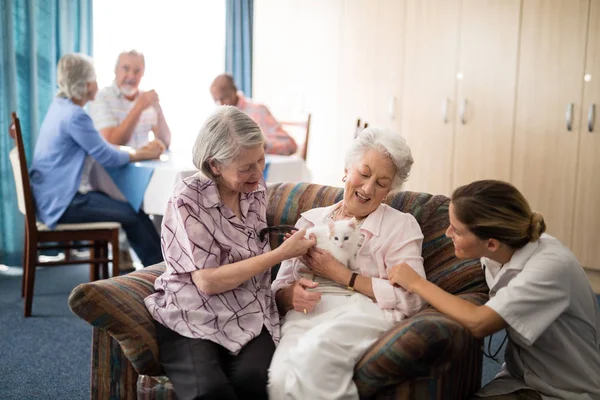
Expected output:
{"points": [[466, 244], [368, 182], [244, 173]]}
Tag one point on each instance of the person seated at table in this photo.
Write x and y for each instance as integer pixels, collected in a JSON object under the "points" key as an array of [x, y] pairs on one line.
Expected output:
{"points": [[330, 321], [66, 147], [123, 113], [539, 293], [224, 92], [216, 319]]}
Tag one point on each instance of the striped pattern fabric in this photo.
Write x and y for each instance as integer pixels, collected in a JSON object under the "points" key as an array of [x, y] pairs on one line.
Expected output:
{"points": [[116, 305], [427, 356]]}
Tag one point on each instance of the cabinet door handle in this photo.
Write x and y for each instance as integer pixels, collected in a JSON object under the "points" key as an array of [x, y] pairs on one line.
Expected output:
{"points": [[445, 110], [463, 109], [591, 117], [570, 117]]}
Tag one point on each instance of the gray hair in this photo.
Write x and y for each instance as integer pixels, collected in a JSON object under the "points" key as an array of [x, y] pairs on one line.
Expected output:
{"points": [[73, 73], [131, 52], [390, 144], [224, 134]]}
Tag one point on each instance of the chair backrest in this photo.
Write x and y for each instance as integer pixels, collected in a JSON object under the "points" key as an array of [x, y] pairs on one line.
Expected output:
{"points": [[360, 126], [300, 131], [21, 174], [287, 201]]}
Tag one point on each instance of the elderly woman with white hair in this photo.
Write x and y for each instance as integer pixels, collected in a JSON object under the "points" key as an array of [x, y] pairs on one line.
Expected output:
{"points": [[330, 321], [216, 320], [66, 147]]}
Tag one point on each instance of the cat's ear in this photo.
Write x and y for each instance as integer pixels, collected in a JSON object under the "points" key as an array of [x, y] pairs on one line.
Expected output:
{"points": [[352, 223], [331, 225]]}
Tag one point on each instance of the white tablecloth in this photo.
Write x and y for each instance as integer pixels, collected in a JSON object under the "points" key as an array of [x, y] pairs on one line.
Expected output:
{"points": [[172, 168]]}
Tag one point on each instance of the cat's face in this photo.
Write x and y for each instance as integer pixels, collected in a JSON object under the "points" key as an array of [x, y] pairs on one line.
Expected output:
{"points": [[342, 233]]}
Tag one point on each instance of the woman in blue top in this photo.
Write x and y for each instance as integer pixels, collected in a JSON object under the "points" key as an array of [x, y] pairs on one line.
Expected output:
{"points": [[65, 149]]}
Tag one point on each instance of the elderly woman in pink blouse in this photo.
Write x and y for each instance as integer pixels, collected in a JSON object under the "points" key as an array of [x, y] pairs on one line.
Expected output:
{"points": [[216, 318], [331, 320]]}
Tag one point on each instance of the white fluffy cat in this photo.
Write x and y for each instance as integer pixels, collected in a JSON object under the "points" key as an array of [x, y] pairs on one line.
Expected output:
{"points": [[340, 238]]}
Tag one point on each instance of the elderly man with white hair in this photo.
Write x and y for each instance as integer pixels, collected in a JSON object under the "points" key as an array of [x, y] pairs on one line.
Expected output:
{"points": [[123, 113], [66, 147]]}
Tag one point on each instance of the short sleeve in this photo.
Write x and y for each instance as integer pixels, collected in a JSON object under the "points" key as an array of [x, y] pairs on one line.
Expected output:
{"points": [[534, 298], [188, 241], [101, 112]]}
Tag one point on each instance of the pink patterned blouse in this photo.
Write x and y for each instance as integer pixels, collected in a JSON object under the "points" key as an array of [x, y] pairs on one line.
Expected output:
{"points": [[198, 232]]}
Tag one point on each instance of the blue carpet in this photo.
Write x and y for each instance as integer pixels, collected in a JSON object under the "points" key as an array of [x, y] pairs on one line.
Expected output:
{"points": [[47, 356]]}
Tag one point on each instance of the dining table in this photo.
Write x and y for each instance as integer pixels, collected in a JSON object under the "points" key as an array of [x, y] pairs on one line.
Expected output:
{"points": [[148, 185]]}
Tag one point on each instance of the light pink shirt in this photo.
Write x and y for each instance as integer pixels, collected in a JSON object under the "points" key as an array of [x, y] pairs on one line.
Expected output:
{"points": [[199, 232], [391, 237]]}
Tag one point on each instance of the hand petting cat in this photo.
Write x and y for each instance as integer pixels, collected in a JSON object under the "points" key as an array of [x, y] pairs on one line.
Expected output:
{"points": [[323, 264]]}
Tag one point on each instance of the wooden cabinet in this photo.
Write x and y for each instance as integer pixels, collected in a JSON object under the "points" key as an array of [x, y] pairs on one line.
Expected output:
{"points": [[486, 78], [459, 90], [586, 244], [430, 44], [549, 92]]}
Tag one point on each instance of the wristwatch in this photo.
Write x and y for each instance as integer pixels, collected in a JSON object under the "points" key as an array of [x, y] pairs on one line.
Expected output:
{"points": [[352, 280]]}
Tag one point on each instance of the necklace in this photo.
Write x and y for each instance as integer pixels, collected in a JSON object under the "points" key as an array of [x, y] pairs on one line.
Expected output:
{"points": [[337, 213]]}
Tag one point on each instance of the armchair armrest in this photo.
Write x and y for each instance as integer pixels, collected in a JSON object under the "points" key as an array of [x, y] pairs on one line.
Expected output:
{"points": [[423, 345], [117, 306]]}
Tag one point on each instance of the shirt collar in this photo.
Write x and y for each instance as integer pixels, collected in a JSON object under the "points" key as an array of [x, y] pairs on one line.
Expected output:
{"points": [[209, 193], [517, 261], [372, 223]]}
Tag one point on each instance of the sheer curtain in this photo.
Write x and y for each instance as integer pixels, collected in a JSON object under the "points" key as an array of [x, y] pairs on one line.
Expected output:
{"points": [[184, 46], [33, 36]]}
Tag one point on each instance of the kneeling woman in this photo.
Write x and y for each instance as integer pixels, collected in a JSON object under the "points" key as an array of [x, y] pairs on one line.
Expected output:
{"points": [[538, 292]]}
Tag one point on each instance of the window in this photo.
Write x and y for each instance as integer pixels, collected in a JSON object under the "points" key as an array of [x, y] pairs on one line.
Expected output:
{"points": [[184, 46]]}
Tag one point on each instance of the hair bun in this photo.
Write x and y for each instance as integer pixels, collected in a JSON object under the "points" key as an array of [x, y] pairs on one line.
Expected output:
{"points": [[537, 226]]}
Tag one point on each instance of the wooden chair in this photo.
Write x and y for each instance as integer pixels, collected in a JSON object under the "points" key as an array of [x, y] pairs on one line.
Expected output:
{"points": [[300, 131], [94, 236], [360, 127]]}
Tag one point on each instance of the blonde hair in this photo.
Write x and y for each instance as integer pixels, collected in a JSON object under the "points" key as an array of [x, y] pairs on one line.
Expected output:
{"points": [[388, 143], [496, 209], [73, 73], [224, 134]]}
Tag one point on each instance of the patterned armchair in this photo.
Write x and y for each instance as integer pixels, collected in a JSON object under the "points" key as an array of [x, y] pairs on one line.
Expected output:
{"points": [[427, 356]]}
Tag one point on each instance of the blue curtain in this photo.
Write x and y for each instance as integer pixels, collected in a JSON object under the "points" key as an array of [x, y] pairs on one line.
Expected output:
{"points": [[238, 45], [33, 36]]}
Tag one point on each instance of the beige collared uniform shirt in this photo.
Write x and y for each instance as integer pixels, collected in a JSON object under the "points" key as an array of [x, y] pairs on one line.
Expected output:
{"points": [[553, 323]]}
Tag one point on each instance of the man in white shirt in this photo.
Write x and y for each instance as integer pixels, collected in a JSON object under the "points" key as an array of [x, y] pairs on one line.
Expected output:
{"points": [[122, 113], [125, 115]]}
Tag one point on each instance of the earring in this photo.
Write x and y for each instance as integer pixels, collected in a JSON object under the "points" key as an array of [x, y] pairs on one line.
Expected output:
{"points": [[344, 179]]}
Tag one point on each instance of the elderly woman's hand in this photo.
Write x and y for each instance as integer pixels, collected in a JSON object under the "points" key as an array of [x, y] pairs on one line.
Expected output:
{"points": [[296, 245], [404, 276], [303, 300], [323, 264]]}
